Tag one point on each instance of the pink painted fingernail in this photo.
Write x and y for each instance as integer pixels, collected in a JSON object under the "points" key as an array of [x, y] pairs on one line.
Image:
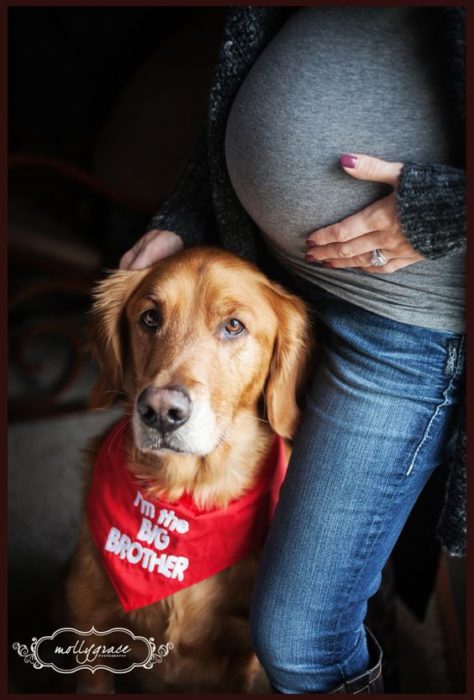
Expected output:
{"points": [[311, 244], [348, 161]]}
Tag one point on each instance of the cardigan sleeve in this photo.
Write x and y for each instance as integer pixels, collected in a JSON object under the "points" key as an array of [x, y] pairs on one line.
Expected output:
{"points": [[188, 209], [431, 202], [452, 525]]}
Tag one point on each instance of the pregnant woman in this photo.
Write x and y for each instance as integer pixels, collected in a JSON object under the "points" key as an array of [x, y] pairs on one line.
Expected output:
{"points": [[335, 136]]}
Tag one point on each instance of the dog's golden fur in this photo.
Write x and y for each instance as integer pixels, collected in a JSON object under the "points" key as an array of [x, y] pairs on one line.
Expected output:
{"points": [[249, 386]]}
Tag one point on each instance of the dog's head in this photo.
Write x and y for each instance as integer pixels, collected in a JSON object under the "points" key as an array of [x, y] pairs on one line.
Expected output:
{"points": [[193, 342]]}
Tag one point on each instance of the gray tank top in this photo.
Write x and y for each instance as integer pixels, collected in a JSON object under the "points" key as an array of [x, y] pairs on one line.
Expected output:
{"points": [[344, 80]]}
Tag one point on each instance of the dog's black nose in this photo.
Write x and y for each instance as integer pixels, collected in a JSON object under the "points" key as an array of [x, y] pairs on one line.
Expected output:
{"points": [[164, 409]]}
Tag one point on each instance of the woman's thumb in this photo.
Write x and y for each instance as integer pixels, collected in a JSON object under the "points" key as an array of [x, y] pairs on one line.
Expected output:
{"points": [[365, 167]]}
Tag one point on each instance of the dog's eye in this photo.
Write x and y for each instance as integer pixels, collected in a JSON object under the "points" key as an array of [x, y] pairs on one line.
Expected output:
{"points": [[150, 320], [233, 327]]}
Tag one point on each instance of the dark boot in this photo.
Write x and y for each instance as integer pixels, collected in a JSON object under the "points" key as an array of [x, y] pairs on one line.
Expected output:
{"points": [[370, 681]]}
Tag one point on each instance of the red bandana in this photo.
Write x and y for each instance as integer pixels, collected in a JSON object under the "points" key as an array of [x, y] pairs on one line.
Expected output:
{"points": [[152, 548]]}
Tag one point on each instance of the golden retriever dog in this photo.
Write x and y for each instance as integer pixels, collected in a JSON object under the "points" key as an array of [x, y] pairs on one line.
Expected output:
{"points": [[208, 355]]}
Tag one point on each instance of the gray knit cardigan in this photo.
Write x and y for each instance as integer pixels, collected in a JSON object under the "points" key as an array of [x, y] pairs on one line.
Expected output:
{"points": [[203, 207]]}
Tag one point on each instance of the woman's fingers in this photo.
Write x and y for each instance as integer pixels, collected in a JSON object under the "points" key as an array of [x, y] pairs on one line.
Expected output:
{"points": [[358, 252], [128, 257], [378, 216], [351, 249], [151, 248]]}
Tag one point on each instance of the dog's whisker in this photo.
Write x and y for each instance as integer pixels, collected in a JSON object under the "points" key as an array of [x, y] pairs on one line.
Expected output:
{"points": [[250, 415]]}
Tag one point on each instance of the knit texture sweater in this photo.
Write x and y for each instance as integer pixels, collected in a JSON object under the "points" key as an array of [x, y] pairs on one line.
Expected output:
{"points": [[203, 207]]}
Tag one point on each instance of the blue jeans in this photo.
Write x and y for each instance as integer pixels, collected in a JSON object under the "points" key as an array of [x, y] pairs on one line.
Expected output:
{"points": [[379, 419]]}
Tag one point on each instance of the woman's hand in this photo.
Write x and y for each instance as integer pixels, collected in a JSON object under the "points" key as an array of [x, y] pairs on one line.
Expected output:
{"points": [[150, 248], [350, 242]]}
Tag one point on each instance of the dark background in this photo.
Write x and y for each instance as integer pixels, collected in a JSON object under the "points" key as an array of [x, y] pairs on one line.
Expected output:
{"points": [[68, 66], [117, 92]]}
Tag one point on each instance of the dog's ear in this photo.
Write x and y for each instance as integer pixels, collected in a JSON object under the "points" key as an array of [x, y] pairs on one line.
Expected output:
{"points": [[291, 354], [106, 340]]}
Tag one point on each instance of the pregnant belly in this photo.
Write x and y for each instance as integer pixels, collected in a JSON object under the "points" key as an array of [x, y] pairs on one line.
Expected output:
{"points": [[308, 99]]}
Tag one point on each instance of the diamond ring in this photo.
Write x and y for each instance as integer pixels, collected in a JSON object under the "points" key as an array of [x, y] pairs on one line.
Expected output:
{"points": [[378, 258]]}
